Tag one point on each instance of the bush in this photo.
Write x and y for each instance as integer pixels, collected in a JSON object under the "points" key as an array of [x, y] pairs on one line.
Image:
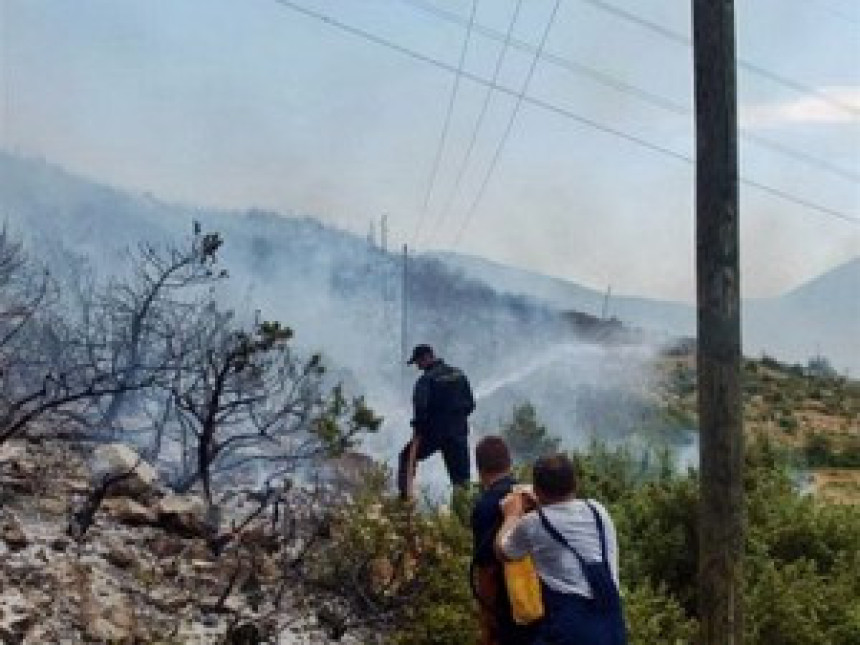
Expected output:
{"points": [[800, 571], [526, 437]]}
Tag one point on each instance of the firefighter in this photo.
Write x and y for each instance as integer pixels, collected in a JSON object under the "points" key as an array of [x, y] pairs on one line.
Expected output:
{"points": [[442, 402]]}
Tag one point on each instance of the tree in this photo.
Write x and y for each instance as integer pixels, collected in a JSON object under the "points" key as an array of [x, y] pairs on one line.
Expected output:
{"points": [[527, 439], [243, 396], [79, 360]]}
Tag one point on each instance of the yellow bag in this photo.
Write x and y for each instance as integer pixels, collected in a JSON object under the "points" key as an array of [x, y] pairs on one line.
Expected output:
{"points": [[523, 584]]}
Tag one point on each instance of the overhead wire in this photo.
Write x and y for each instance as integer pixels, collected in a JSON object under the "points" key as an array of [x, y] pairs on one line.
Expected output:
{"points": [[573, 66], [549, 107], [742, 63], [464, 163], [508, 128], [443, 137], [651, 98], [839, 13]]}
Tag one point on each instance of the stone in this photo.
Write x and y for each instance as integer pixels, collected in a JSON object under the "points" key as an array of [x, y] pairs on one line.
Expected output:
{"points": [[16, 616], [184, 515], [117, 459], [12, 534], [130, 512], [119, 555]]}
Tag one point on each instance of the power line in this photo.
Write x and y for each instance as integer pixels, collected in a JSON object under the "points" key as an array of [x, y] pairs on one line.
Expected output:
{"points": [[570, 65], [549, 107], [464, 163], [619, 85], [440, 147], [839, 13], [507, 133], [751, 67], [800, 156]]}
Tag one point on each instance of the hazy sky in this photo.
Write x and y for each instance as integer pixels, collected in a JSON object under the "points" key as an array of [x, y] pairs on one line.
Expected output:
{"points": [[242, 103]]}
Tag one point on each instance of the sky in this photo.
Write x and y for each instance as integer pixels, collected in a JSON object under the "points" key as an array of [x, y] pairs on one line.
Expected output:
{"points": [[249, 103]]}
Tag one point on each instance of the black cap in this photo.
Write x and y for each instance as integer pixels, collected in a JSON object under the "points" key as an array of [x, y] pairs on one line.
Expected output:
{"points": [[419, 352]]}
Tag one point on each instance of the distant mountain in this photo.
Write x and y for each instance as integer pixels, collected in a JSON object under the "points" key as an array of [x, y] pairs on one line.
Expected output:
{"points": [[821, 316], [341, 295], [656, 315], [504, 326]]}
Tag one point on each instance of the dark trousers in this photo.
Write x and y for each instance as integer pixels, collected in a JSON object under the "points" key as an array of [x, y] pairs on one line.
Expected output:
{"points": [[574, 620], [496, 623], [455, 453]]}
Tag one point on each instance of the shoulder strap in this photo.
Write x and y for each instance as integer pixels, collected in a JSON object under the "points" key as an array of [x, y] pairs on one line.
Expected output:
{"points": [[600, 531], [558, 537]]}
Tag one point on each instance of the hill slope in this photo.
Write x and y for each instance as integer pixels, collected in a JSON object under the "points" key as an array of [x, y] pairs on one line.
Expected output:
{"points": [[821, 316]]}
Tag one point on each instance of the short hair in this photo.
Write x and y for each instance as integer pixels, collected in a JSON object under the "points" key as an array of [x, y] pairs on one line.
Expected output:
{"points": [[492, 455], [554, 476]]}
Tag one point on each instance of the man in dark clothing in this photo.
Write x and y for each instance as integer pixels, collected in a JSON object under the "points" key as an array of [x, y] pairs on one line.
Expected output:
{"points": [[442, 403], [494, 471]]}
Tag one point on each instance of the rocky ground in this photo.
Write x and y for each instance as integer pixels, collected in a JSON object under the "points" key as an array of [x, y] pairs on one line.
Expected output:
{"points": [[150, 568]]}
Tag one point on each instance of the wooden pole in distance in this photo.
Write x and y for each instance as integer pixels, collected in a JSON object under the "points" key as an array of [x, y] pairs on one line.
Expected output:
{"points": [[721, 533]]}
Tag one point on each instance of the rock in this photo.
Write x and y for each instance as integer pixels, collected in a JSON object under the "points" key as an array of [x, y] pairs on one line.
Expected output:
{"points": [[184, 515], [52, 506], [130, 512], [12, 534], [119, 555], [61, 544], [350, 471], [118, 459], [165, 546], [107, 615], [16, 617]]}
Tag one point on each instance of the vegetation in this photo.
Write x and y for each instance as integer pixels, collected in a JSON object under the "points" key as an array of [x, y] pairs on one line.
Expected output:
{"points": [[526, 437], [150, 357], [802, 557]]}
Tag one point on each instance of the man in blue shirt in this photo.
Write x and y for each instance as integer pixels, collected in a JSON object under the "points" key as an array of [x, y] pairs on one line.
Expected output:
{"points": [[493, 460]]}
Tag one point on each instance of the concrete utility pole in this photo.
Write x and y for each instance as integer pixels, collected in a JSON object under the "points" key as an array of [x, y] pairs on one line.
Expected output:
{"points": [[404, 320], [721, 528], [383, 225], [371, 235], [604, 314]]}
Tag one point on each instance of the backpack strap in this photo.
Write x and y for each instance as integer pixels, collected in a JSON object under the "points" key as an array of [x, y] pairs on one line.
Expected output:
{"points": [[558, 537], [600, 530]]}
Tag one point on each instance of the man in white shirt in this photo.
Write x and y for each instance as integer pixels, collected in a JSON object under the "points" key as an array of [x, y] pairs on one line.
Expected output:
{"points": [[574, 617]]}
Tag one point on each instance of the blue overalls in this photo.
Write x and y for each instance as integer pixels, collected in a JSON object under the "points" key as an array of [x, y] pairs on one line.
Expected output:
{"points": [[572, 619]]}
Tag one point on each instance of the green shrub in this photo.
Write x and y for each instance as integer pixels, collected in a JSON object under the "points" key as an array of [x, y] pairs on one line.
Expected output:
{"points": [[802, 558]]}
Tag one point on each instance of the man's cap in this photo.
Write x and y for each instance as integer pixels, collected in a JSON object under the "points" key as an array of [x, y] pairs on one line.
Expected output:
{"points": [[420, 351]]}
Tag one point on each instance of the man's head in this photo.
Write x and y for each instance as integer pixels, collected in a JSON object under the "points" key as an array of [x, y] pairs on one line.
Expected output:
{"points": [[422, 356], [492, 458], [554, 479]]}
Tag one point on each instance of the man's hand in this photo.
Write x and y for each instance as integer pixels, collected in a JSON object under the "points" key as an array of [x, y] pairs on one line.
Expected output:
{"points": [[513, 505]]}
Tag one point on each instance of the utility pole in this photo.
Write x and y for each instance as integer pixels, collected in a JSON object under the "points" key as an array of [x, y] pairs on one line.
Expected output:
{"points": [[371, 235], [404, 320], [383, 227], [605, 313], [721, 525]]}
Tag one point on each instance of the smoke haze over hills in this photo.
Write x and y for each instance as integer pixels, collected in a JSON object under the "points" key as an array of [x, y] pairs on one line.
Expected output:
{"points": [[342, 296]]}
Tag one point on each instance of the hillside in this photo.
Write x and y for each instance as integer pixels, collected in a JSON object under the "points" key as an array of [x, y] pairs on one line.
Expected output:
{"points": [[340, 295], [504, 326], [821, 316]]}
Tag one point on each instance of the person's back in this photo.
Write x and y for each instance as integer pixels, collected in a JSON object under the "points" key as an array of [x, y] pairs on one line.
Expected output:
{"points": [[497, 623], [442, 402], [575, 551], [444, 399]]}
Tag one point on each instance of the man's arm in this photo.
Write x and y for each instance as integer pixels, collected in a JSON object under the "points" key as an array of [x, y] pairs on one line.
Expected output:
{"points": [[470, 397], [511, 541]]}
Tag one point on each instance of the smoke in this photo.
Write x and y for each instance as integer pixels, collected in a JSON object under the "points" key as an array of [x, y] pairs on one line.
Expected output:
{"points": [[343, 298]]}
